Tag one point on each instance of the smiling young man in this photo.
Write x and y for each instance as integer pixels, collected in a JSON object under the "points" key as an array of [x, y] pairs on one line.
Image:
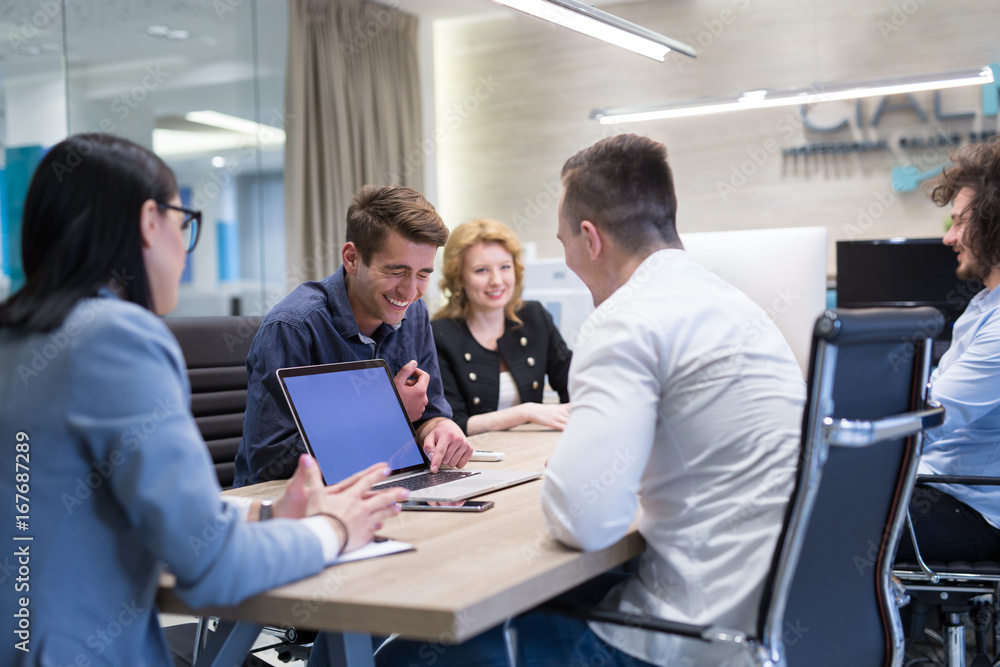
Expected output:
{"points": [[679, 418], [369, 308], [956, 522]]}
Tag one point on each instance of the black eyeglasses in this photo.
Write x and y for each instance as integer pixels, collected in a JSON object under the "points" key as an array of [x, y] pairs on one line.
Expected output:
{"points": [[191, 227]]}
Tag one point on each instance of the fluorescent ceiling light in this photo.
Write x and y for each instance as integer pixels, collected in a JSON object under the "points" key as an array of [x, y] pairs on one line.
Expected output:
{"points": [[226, 122], [172, 143], [821, 92], [167, 33], [232, 133], [607, 27]]}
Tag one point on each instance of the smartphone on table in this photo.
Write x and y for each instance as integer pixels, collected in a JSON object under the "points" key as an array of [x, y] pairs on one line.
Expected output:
{"points": [[456, 506]]}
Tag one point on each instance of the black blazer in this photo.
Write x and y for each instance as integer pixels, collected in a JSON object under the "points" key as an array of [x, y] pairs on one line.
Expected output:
{"points": [[471, 373]]}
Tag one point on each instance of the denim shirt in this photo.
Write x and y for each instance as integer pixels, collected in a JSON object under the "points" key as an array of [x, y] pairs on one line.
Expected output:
{"points": [[315, 325]]}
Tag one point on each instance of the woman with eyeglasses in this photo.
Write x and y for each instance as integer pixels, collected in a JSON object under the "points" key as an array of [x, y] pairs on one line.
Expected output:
{"points": [[106, 477]]}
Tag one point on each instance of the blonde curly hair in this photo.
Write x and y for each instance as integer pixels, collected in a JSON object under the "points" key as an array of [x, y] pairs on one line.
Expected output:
{"points": [[463, 237]]}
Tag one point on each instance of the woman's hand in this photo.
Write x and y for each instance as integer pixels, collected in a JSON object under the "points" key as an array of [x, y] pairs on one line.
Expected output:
{"points": [[552, 415], [292, 503], [549, 415], [352, 501], [361, 510]]}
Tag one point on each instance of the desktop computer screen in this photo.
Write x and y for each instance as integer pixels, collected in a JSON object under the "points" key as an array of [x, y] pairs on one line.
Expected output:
{"points": [[782, 270], [550, 282], [903, 272]]}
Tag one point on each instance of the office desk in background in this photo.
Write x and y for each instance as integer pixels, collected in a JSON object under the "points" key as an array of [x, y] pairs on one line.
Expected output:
{"points": [[470, 571]]}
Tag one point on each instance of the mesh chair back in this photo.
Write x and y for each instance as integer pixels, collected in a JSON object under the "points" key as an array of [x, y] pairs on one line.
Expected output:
{"points": [[866, 365], [215, 349]]}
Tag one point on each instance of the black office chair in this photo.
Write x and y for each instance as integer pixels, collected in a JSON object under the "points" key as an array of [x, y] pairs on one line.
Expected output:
{"points": [[830, 588], [215, 349], [956, 588]]}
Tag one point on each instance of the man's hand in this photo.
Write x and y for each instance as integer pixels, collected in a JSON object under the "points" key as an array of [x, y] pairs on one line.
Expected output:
{"points": [[444, 443], [411, 383]]}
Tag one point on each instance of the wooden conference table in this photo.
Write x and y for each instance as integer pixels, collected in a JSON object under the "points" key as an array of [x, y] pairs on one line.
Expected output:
{"points": [[469, 572]]}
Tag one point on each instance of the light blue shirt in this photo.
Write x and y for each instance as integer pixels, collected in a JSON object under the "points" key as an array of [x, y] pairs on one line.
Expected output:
{"points": [[116, 483], [967, 384]]}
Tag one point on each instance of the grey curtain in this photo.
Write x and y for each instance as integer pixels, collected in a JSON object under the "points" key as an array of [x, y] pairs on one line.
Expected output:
{"points": [[353, 117]]}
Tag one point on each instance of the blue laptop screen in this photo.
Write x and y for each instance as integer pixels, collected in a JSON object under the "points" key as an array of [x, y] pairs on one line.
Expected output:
{"points": [[352, 419]]}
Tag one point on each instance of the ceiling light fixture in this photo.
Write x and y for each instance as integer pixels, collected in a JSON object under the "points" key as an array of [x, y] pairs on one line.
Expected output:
{"points": [[224, 132], [820, 92], [607, 27], [167, 33], [225, 121]]}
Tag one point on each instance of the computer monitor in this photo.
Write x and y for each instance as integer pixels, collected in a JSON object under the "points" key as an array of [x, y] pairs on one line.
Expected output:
{"points": [[550, 282], [903, 272], [782, 270]]}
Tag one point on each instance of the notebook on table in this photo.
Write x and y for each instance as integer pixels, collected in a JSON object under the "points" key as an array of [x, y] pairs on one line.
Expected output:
{"points": [[350, 416]]}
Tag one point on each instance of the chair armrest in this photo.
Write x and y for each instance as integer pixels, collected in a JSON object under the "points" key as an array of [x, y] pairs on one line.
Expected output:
{"points": [[848, 433], [705, 633], [958, 479]]}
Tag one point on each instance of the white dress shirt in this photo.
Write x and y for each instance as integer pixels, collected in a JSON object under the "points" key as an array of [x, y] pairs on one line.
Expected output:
{"points": [[967, 384], [319, 525], [687, 407]]}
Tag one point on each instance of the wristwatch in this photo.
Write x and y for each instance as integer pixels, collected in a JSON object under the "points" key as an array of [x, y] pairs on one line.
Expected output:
{"points": [[266, 510]]}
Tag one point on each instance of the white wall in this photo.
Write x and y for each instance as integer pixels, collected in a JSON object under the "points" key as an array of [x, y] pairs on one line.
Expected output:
{"points": [[514, 96]]}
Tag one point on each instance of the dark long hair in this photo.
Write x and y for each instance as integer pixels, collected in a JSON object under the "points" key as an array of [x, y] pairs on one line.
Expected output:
{"points": [[81, 228]]}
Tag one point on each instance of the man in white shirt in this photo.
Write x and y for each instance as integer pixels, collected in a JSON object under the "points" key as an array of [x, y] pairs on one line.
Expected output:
{"points": [[687, 407], [685, 391], [957, 522]]}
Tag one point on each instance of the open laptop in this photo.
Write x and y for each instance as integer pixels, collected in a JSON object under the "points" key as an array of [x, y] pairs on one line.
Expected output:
{"points": [[350, 416]]}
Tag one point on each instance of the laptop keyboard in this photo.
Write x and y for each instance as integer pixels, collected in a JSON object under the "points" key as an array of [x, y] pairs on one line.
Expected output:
{"points": [[426, 480]]}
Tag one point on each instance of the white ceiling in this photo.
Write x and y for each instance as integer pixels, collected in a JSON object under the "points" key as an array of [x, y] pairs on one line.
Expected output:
{"points": [[106, 33], [445, 9], [109, 48]]}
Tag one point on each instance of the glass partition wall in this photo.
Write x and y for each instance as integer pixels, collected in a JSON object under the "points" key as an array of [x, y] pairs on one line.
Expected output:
{"points": [[200, 82]]}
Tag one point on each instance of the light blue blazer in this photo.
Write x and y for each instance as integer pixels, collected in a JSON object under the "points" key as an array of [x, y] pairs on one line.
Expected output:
{"points": [[116, 483]]}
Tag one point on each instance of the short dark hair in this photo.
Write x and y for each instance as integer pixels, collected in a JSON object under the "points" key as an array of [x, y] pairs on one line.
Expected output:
{"points": [[976, 167], [624, 186], [378, 209], [80, 228]]}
